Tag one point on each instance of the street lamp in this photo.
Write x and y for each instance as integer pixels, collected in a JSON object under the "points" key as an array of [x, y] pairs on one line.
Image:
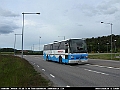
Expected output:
{"points": [[23, 30], [62, 36], [107, 47], [98, 48], [111, 37], [15, 42], [115, 47], [39, 43]]}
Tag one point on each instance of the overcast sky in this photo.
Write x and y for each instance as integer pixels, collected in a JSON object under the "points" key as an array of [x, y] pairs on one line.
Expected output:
{"points": [[69, 18]]}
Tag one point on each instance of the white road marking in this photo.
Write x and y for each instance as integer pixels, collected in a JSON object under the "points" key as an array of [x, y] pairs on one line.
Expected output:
{"points": [[43, 69], [37, 65], [104, 73], [89, 70], [110, 67], [52, 75], [96, 71], [67, 86], [111, 60], [96, 65], [103, 66], [116, 68], [106, 60]]}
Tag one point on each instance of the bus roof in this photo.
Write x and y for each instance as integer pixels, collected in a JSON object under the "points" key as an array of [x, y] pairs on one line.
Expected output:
{"points": [[63, 40]]}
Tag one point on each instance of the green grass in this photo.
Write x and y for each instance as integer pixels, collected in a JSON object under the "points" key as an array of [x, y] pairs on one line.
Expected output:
{"points": [[17, 72], [6, 53], [104, 56]]}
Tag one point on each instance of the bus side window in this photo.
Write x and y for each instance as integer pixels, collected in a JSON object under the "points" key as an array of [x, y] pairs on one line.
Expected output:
{"points": [[66, 50], [66, 47]]}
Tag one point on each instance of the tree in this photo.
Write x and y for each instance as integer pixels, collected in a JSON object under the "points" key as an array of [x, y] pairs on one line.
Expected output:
{"points": [[103, 44]]}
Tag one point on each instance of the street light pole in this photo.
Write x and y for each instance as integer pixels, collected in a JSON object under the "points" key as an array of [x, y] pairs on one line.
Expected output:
{"points": [[23, 30], [22, 35], [111, 37], [98, 48], [107, 47], [115, 47], [111, 40], [39, 43], [15, 42]]}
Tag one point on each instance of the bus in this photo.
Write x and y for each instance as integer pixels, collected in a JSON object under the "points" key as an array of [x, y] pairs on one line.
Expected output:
{"points": [[66, 51]]}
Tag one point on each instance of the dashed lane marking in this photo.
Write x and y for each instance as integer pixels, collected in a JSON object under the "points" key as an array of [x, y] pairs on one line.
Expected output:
{"points": [[43, 69], [37, 65], [110, 67], [116, 68], [52, 75], [96, 72], [103, 66], [67, 86]]}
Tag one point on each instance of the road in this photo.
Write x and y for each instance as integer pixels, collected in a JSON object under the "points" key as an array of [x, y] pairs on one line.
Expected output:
{"points": [[94, 73]]}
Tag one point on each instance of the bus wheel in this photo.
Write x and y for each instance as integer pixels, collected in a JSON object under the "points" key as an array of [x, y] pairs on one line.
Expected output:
{"points": [[47, 58], [60, 59]]}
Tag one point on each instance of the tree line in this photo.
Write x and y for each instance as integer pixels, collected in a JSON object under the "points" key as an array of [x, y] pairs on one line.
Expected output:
{"points": [[94, 45], [26, 52], [103, 44], [6, 50]]}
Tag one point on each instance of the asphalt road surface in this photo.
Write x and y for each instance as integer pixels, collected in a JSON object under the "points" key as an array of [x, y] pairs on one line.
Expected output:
{"points": [[94, 73]]}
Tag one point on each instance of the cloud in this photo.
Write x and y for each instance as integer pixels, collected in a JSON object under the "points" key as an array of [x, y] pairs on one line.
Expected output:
{"points": [[7, 28], [102, 8], [107, 9], [7, 24], [7, 13]]}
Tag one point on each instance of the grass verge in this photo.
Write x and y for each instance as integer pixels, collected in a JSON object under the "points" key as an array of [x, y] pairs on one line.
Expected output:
{"points": [[17, 72], [104, 56]]}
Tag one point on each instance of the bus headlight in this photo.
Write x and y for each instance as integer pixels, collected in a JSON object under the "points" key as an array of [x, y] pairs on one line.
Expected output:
{"points": [[86, 56]]}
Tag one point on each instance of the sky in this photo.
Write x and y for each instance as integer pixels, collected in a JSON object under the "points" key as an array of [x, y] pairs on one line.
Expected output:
{"points": [[69, 18]]}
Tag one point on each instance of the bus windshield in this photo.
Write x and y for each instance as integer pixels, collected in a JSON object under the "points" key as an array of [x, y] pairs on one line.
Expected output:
{"points": [[78, 46]]}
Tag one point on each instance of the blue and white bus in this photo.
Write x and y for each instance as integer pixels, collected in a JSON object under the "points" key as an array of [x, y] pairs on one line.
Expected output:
{"points": [[66, 51]]}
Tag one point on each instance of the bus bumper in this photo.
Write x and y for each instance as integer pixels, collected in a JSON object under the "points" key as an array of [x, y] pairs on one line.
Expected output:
{"points": [[78, 61]]}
